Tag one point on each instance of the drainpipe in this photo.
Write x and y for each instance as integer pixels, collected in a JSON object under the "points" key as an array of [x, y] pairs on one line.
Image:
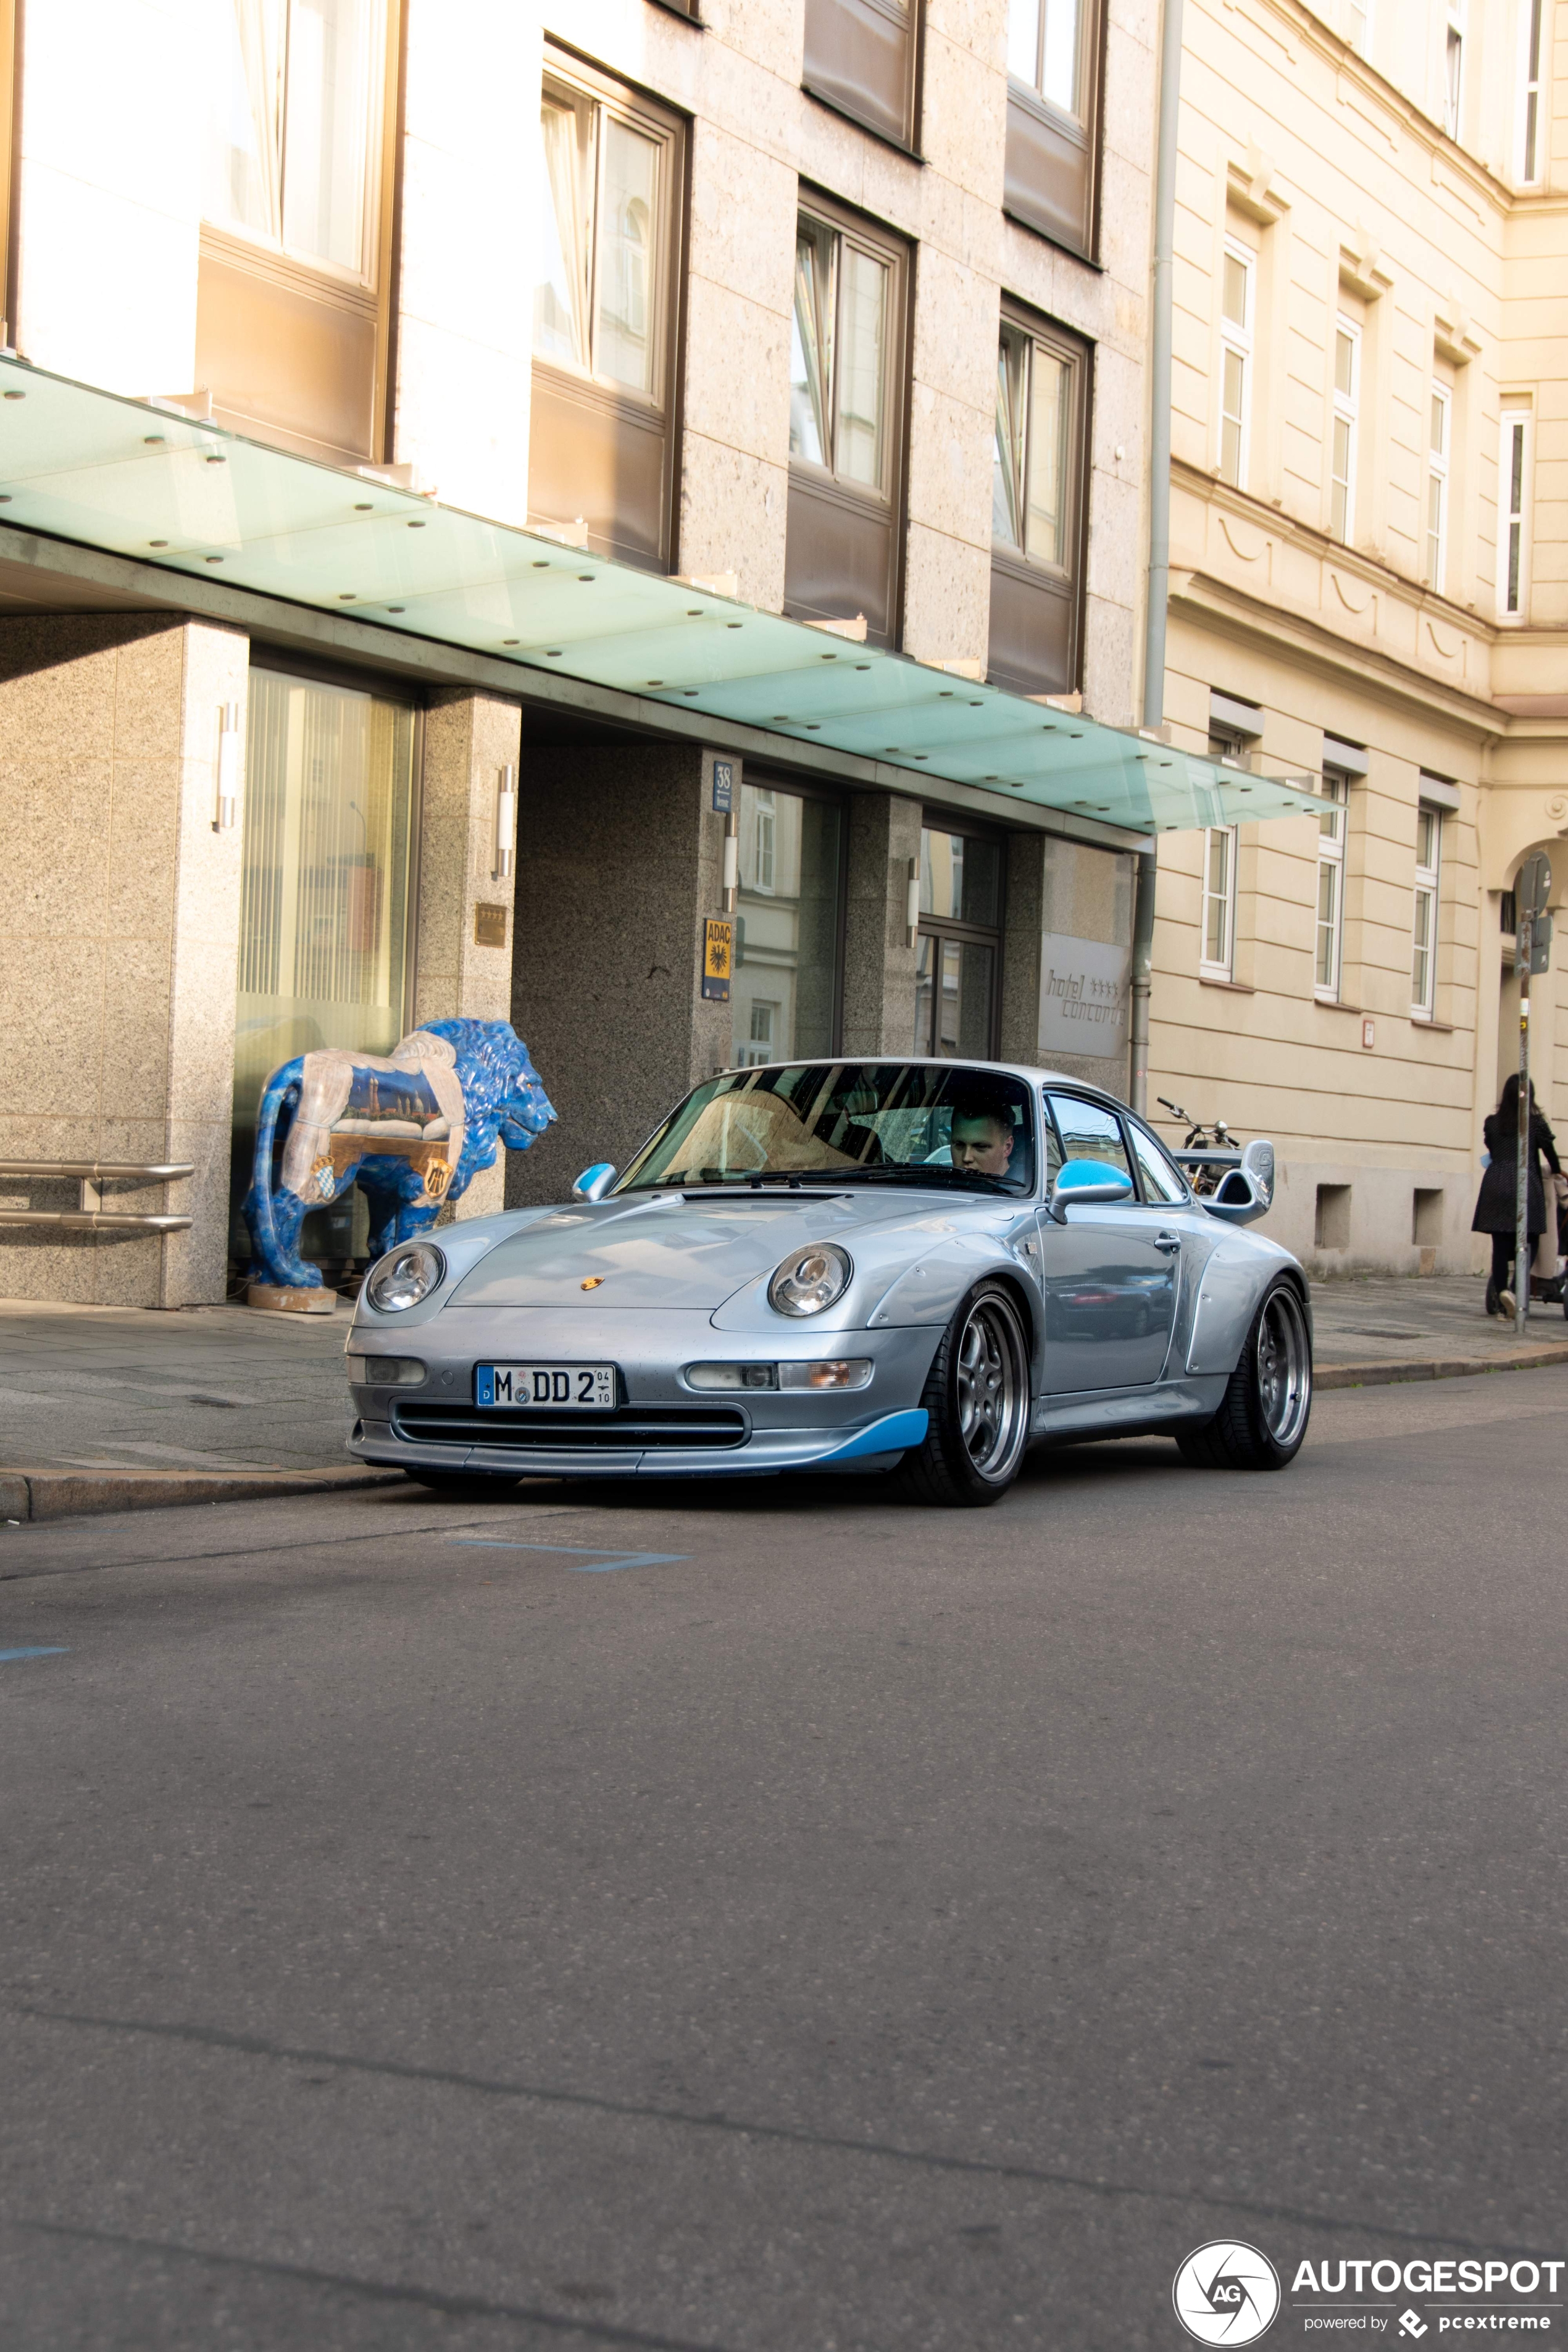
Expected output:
{"points": [[1159, 516]]}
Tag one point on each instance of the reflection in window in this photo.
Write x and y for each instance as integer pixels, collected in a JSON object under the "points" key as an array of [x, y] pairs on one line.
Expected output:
{"points": [[1089, 1131], [783, 992], [598, 218], [1030, 465], [1043, 43], [838, 355], [295, 87]]}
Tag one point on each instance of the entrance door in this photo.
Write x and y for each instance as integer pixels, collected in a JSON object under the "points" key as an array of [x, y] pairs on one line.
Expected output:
{"points": [[325, 919], [958, 951], [1111, 1285]]}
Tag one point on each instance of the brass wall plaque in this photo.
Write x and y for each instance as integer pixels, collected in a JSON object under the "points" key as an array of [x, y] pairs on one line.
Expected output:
{"points": [[489, 926]]}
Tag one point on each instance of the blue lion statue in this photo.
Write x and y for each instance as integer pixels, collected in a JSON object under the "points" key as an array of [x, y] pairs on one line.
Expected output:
{"points": [[412, 1129]]}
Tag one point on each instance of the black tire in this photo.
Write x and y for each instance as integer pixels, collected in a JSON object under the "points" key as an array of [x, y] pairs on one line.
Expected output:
{"points": [[977, 1397], [1268, 1400], [465, 1485]]}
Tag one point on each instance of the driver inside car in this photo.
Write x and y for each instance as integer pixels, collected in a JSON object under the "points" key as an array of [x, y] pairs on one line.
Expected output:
{"points": [[980, 1140]]}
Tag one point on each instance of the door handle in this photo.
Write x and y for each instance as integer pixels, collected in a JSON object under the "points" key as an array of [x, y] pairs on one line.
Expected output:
{"points": [[1167, 1242]]}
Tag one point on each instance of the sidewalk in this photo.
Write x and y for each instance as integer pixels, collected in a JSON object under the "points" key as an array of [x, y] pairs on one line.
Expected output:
{"points": [[102, 1408]]}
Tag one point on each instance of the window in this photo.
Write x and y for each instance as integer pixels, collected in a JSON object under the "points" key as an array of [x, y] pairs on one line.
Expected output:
{"points": [[1454, 68], [1347, 403], [958, 945], [1089, 1132], [1238, 301], [1053, 106], [1439, 437], [1513, 485], [846, 401], [860, 59], [1331, 820], [1529, 132], [1219, 949], [1156, 1170], [1424, 963], [291, 312], [1361, 26], [1037, 505], [601, 443], [784, 994]]}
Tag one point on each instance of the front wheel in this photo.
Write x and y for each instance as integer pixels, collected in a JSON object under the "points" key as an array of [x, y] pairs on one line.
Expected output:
{"points": [[977, 1398], [1262, 1417]]}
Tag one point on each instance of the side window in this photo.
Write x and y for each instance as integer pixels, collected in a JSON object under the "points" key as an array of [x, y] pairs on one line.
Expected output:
{"points": [[1089, 1131], [1053, 1145], [1161, 1182]]}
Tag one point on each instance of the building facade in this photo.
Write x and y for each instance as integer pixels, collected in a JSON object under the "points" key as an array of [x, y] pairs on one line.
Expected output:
{"points": [[1370, 588], [835, 309]]}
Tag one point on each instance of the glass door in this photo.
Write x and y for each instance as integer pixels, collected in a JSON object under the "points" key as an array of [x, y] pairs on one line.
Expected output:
{"points": [[325, 922], [957, 947]]}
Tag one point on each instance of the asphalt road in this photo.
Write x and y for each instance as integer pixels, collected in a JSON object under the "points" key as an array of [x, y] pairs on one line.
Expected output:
{"points": [[782, 1918]]}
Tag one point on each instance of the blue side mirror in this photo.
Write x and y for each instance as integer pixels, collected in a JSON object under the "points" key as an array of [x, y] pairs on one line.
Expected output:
{"points": [[1085, 1182], [593, 1182]]}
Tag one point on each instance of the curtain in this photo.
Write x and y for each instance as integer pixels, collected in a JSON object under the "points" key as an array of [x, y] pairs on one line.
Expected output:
{"points": [[1007, 461], [561, 288], [811, 346], [260, 27]]}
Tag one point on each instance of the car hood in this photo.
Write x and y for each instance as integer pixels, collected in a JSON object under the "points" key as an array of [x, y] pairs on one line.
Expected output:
{"points": [[668, 1250]]}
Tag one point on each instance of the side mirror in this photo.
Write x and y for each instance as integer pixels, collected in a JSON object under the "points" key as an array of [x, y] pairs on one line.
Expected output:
{"points": [[593, 1182], [1247, 1192], [1083, 1184]]}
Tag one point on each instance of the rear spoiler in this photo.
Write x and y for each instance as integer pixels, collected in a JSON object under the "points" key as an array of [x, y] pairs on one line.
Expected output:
{"points": [[1245, 1191]]}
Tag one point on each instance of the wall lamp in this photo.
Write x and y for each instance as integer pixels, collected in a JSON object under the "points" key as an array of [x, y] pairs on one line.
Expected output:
{"points": [[506, 823], [230, 753], [912, 903]]}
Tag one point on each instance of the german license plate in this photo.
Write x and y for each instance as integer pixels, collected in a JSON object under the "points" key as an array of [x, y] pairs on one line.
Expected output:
{"points": [[563, 1387]]}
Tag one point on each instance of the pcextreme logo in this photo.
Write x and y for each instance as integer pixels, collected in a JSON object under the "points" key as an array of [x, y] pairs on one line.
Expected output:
{"points": [[1227, 2293]]}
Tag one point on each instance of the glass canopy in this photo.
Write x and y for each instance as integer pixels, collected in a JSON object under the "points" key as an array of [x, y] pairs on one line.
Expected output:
{"points": [[144, 480]]}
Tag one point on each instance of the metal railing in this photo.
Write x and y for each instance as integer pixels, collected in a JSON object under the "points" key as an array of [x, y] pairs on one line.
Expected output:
{"points": [[92, 1175]]}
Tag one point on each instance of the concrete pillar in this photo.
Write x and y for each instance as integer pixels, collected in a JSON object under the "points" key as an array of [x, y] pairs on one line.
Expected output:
{"points": [[1022, 924], [879, 963], [463, 942], [120, 910], [618, 861]]}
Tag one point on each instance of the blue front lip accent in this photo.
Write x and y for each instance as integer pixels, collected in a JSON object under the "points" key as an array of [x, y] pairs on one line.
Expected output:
{"points": [[894, 1433]]}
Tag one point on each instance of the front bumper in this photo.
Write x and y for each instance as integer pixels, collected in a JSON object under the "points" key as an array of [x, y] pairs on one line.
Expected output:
{"points": [[669, 1431]]}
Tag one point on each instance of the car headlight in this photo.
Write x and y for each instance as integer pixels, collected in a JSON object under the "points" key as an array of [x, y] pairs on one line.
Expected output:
{"points": [[403, 1276], [810, 1280]]}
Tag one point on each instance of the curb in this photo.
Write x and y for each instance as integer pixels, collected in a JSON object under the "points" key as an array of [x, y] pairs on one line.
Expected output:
{"points": [[31, 1496], [1438, 1368]]}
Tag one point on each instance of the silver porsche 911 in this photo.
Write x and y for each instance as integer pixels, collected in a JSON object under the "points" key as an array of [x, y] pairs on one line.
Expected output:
{"points": [[914, 1266]]}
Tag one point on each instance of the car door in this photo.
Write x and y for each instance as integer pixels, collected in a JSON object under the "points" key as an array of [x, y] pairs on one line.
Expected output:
{"points": [[1110, 1274]]}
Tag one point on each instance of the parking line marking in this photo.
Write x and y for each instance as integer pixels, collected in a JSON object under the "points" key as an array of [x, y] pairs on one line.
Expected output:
{"points": [[6, 1655], [591, 1558]]}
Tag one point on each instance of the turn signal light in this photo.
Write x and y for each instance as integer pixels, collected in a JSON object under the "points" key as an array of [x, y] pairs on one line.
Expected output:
{"points": [[838, 1372], [386, 1371]]}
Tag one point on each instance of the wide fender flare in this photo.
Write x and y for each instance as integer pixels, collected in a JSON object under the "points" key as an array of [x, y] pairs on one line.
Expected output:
{"points": [[930, 1290], [1229, 1294]]}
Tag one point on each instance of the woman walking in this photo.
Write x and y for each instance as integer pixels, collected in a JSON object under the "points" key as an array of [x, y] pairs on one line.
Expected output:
{"points": [[1496, 1208]]}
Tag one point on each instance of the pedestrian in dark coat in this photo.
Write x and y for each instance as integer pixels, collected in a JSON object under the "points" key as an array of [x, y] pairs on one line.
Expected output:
{"points": [[1495, 1207]]}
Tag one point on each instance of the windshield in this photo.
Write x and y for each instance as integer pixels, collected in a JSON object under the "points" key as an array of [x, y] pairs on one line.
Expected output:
{"points": [[848, 1122]]}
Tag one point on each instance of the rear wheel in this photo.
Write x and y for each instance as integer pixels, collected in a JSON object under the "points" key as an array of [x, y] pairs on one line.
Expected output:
{"points": [[1263, 1415], [464, 1486], [977, 1398]]}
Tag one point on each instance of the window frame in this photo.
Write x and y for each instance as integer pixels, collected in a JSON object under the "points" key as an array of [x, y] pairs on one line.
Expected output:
{"points": [[940, 929], [882, 511], [1439, 464], [1052, 159], [1026, 587], [1427, 889], [1238, 341], [1133, 1127], [1514, 538], [1336, 794], [1454, 60], [1527, 124], [1210, 967], [1344, 410]]}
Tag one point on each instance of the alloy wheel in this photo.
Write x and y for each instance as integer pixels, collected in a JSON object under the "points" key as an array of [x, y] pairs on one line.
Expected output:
{"points": [[992, 1387], [1284, 1366]]}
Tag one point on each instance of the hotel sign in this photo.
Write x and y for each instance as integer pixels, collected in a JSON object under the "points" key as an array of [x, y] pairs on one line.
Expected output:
{"points": [[1083, 996]]}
